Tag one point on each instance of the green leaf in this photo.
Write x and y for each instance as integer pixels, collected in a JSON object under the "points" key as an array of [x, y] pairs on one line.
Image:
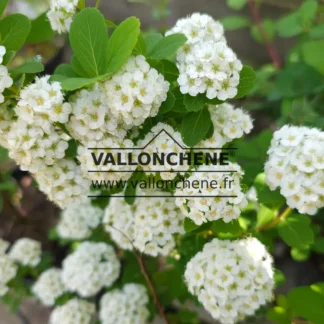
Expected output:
{"points": [[130, 190], [300, 255], [307, 11], [279, 315], [194, 103], [279, 278], [3, 5], [151, 39], [65, 70], [235, 22], [271, 199], [109, 23], [236, 4], [41, 30], [247, 81], [89, 38], [269, 29], [317, 32], [140, 48], [170, 71], [168, 104], [167, 46], [72, 84], [8, 57], [195, 126], [319, 245], [189, 225], [77, 67], [308, 302], [224, 230], [14, 30], [72, 149], [295, 230], [265, 215], [122, 43], [28, 67], [290, 25], [312, 54]]}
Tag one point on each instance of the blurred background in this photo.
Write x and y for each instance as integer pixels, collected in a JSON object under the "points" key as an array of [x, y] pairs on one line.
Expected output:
{"points": [[25, 212]]}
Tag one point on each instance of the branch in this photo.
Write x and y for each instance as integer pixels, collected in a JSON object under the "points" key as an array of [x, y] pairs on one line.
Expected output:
{"points": [[140, 261], [275, 221], [271, 49]]}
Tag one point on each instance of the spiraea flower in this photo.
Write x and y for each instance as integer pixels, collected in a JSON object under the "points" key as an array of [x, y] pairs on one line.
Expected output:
{"points": [[5, 81], [296, 166], [229, 123], [32, 148], [78, 220], [231, 279], [63, 183], [206, 63], [91, 119], [2, 53], [61, 13], [148, 225], [7, 115], [164, 140], [91, 267], [26, 252], [3, 246], [221, 193], [49, 287], [107, 159], [136, 92], [8, 269], [126, 305], [75, 311]]}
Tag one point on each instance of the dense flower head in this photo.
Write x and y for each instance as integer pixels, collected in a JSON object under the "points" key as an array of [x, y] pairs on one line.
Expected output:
{"points": [[231, 279], [163, 139], [78, 220], [135, 92], [229, 123], [148, 224], [126, 305], [107, 156], [222, 195], [91, 118], [296, 166], [91, 267], [49, 287], [26, 251], [206, 63], [7, 115], [8, 270], [3, 246], [61, 13], [75, 311], [32, 148], [5, 81], [63, 183]]}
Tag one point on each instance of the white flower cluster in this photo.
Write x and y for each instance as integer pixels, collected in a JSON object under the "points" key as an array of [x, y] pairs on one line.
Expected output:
{"points": [[78, 220], [2, 53], [89, 268], [63, 183], [128, 305], [61, 13], [49, 286], [231, 279], [229, 123], [296, 166], [206, 63], [8, 269], [163, 139], [5, 81], [135, 92], [26, 251], [91, 118], [149, 223], [75, 311], [109, 147], [6, 119], [222, 196]]}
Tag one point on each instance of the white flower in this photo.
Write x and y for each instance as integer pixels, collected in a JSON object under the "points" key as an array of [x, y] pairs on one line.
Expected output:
{"points": [[148, 225], [221, 195], [3, 246], [89, 268], [26, 252], [6, 120], [135, 92], [5, 81], [296, 166], [75, 311], [49, 287], [63, 183], [128, 305], [2, 53], [231, 279], [8, 271], [206, 63], [78, 221]]}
